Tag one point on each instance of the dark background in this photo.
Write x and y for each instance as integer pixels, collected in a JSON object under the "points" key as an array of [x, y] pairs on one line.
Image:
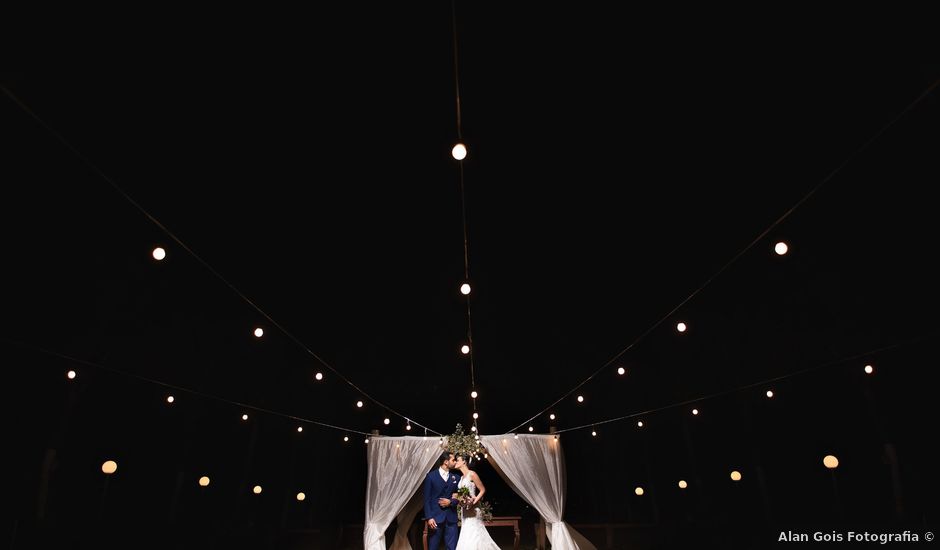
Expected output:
{"points": [[608, 180]]}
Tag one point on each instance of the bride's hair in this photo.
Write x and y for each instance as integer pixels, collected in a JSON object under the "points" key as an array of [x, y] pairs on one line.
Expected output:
{"points": [[464, 456]]}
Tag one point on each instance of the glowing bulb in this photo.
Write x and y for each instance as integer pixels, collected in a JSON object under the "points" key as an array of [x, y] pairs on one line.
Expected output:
{"points": [[301, 496], [830, 462], [517, 435], [869, 369], [475, 416], [681, 327], [204, 481], [735, 476], [244, 417], [580, 399], [71, 374], [465, 349], [318, 376], [473, 428], [770, 394], [387, 421], [300, 429], [594, 433], [359, 404], [367, 441], [109, 467], [695, 411], [259, 332], [408, 427], [170, 399], [256, 490], [459, 151], [781, 248], [639, 424], [551, 416], [465, 289], [621, 370], [476, 437], [473, 394], [683, 484], [158, 253], [638, 491], [345, 438], [531, 429]]}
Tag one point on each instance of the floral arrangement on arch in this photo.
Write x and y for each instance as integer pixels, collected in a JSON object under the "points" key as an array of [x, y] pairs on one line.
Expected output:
{"points": [[461, 443]]}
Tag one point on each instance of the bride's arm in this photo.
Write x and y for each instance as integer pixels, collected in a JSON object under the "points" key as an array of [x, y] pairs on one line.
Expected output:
{"points": [[481, 488]]}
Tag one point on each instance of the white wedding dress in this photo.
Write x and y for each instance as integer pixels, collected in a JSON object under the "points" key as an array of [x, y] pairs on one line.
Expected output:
{"points": [[473, 534]]}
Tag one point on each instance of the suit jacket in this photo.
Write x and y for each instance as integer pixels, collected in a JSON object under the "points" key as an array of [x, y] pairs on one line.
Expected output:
{"points": [[436, 488]]}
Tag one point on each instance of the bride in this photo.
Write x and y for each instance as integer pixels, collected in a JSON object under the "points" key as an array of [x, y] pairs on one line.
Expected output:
{"points": [[473, 534]]}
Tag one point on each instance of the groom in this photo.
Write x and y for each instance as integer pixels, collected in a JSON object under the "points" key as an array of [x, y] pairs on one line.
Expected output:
{"points": [[439, 509]]}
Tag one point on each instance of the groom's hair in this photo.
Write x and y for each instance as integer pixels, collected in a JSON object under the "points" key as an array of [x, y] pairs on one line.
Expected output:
{"points": [[445, 456]]}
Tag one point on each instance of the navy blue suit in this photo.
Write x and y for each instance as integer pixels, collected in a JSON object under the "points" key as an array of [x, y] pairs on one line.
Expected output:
{"points": [[436, 488]]}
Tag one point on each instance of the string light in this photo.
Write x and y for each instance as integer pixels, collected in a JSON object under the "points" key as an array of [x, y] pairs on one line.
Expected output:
{"points": [[869, 369], [638, 491], [259, 332], [770, 394], [300, 429], [345, 438], [465, 289], [695, 412], [781, 248], [551, 416], [473, 394], [683, 484], [465, 349], [831, 462], [256, 489], [459, 151], [580, 399], [681, 327], [71, 374], [109, 467], [475, 416], [473, 428], [735, 476], [594, 433], [408, 426], [318, 376], [367, 441], [516, 436], [170, 399], [621, 371], [301, 496], [387, 421], [158, 253], [204, 481], [639, 424], [530, 429], [359, 404], [244, 417]]}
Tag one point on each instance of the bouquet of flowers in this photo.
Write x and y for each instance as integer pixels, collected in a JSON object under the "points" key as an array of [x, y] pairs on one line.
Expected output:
{"points": [[465, 502]]}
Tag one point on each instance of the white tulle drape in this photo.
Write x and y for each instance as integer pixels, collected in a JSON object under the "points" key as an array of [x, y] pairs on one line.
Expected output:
{"points": [[397, 466], [534, 466]]}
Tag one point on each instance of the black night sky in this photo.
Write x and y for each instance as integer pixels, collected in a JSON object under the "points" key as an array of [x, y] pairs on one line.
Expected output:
{"points": [[607, 182]]}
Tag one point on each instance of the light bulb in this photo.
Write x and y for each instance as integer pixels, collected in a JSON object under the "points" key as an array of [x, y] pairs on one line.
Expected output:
{"points": [[459, 151]]}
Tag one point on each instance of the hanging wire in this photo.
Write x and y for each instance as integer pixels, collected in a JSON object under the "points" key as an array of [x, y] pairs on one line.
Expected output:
{"points": [[205, 264], [184, 389], [735, 258], [463, 211], [751, 385]]}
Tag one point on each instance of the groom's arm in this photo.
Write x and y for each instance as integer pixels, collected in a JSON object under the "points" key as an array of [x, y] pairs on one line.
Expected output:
{"points": [[428, 513]]}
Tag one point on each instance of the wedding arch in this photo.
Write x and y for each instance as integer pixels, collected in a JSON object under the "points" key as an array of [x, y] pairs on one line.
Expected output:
{"points": [[532, 465]]}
